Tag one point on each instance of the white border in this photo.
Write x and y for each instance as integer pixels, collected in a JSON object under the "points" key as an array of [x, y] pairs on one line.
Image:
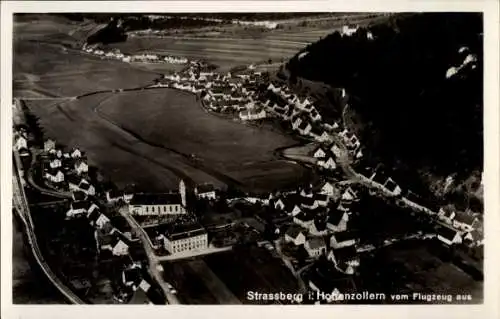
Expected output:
{"points": [[490, 308]]}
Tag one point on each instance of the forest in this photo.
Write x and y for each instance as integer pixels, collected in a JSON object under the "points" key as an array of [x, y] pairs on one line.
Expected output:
{"points": [[412, 112]]}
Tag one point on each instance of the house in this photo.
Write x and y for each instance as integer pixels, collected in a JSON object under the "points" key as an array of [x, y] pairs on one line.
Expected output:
{"points": [[102, 221], [329, 163], [293, 209], [328, 189], [342, 239], [112, 196], [49, 145], [337, 221], [296, 235], [252, 115], [77, 208], [304, 128], [391, 185], [319, 153], [74, 182], [447, 213], [78, 195], [117, 246], [349, 30], [279, 204], [448, 235], [304, 219], [76, 153], [315, 246], [81, 167], [318, 227], [474, 238], [85, 187], [128, 194], [55, 163], [21, 143], [186, 237], [325, 137], [156, 204], [315, 116], [131, 276], [206, 191], [465, 221], [322, 199], [345, 259], [309, 203], [349, 194], [54, 175]]}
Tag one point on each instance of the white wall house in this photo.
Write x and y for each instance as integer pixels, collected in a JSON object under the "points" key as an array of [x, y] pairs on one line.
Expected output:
{"points": [[156, 204]]}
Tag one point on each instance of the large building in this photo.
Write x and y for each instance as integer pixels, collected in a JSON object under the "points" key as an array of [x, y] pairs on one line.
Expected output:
{"points": [[156, 204], [184, 237]]}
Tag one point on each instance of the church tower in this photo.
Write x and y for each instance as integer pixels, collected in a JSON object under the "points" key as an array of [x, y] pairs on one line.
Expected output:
{"points": [[182, 191]]}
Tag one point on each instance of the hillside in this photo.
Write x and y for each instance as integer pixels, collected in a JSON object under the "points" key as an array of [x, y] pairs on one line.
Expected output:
{"points": [[416, 113]]}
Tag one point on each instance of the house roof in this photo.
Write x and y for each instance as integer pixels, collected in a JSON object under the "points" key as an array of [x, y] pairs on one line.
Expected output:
{"points": [[84, 185], [335, 216], [53, 171], [465, 218], [344, 236], [94, 215], [182, 231], [205, 188], [82, 204], [294, 231], [305, 216], [156, 199], [391, 184], [308, 201], [446, 232], [303, 125], [448, 210], [73, 179], [114, 193], [321, 197], [345, 253], [79, 195], [132, 274], [316, 242]]}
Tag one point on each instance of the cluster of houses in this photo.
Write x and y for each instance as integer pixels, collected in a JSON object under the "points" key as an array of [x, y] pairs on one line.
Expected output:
{"points": [[110, 242], [66, 169], [320, 219], [469, 61], [235, 93], [116, 54], [457, 227]]}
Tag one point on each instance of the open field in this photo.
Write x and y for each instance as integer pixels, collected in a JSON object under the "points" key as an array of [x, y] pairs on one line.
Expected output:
{"points": [[177, 122], [54, 71], [226, 277], [117, 154], [252, 269]]}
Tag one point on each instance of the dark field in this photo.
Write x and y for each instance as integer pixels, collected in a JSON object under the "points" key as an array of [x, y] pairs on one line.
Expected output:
{"points": [[227, 277], [414, 267], [230, 151]]}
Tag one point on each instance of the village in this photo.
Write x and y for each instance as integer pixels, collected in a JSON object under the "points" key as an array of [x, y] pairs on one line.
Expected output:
{"points": [[308, 228]]}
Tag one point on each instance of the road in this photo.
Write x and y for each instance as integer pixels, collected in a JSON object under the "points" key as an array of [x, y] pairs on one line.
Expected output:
{"points": [[154, 262], [20, 204]]}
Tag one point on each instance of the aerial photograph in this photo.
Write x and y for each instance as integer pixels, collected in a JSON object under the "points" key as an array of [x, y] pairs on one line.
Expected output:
{"points": [[270, 158]]}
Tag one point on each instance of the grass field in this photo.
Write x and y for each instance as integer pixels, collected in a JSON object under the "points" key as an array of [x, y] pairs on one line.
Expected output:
{"points": [[176, 121]]}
